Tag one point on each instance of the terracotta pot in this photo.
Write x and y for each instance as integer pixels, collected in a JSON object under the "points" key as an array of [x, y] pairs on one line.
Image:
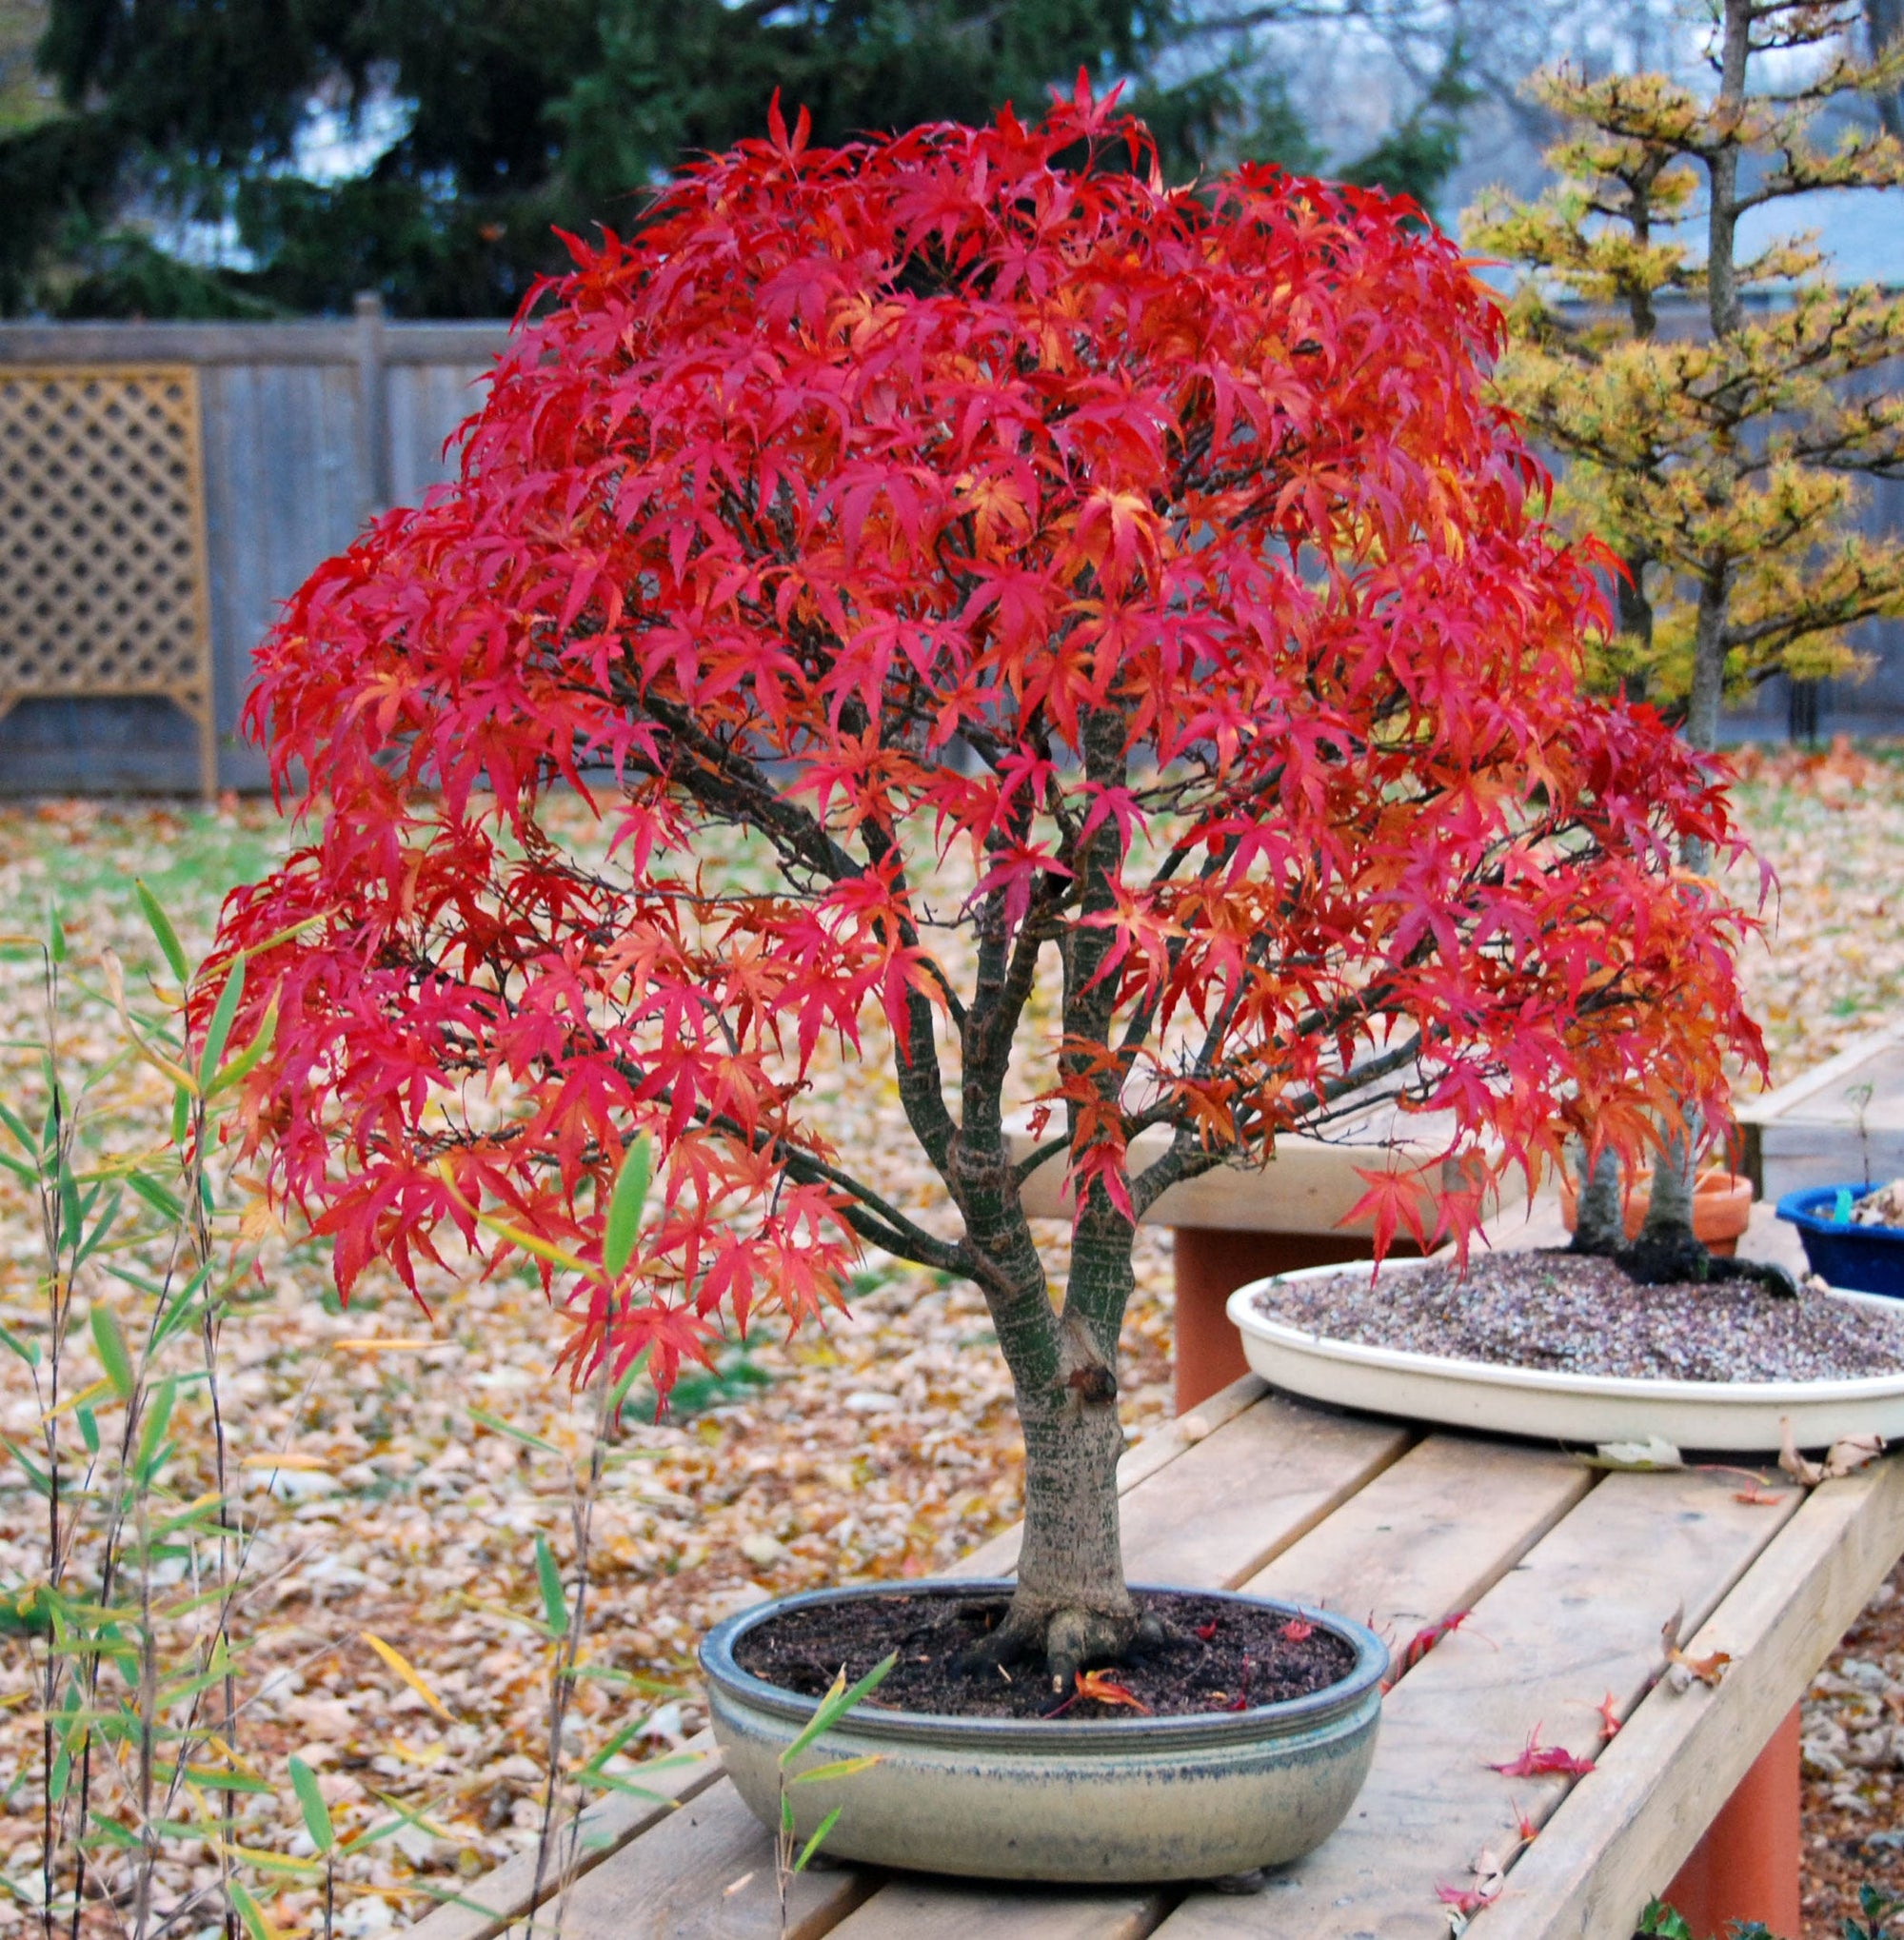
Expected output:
{"points": [[1722, 1208]]}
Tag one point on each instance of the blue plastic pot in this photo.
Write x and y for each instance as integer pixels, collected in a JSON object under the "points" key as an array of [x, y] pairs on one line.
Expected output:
{"points": [[1868, 1260]]}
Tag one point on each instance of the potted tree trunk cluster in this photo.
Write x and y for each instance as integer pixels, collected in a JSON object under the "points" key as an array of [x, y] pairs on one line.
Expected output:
{"points": [[1717, 452], [1068, 588]]}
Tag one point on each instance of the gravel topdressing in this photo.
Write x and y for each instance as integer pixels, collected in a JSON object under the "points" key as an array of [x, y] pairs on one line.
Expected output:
{"points": [[1568, 1315]]}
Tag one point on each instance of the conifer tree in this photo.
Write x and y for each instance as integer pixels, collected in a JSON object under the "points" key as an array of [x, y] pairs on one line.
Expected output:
{"points": [[1721, 462]]}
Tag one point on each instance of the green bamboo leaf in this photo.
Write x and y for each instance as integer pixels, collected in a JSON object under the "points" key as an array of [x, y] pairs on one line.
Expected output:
{"points": [[496, 1425], [166, 1204], [113, 1357], [812, 1846], [246, 1061], [554, 1599], [629, 1377], [624, 1207], [840, 1768], [29, 1351], [55, 937], [17, 1127], [311, 1802], [837, 1703], [88, 1429], [38, 1477], [107, 1832], [152, 1431], [181, 1112], [249, 1911], [225, 1014], [101, 1229], [211, 1779], [162, 928]]}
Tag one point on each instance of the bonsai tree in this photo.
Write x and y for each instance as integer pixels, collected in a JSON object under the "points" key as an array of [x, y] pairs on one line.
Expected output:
{"points": [[1047, 574], [1721, 464]]}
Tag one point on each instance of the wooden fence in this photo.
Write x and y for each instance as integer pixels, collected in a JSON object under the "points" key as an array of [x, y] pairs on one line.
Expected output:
{"points": [[127, 625], [304, 429]]}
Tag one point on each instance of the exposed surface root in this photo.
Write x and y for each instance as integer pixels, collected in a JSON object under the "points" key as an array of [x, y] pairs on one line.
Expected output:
{"points": [[1678, 1257], [1067, 1637]]}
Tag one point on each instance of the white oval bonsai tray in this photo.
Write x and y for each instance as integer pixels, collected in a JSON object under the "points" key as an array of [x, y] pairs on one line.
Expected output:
{"points": [[1737, 1416]]}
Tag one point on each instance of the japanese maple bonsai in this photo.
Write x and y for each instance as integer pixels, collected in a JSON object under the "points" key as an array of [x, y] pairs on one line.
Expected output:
{"points": [[1049, 572]]}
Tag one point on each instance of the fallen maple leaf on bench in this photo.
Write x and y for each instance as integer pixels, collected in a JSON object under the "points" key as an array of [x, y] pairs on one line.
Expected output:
{"points": [[1682, 1671], [1545, 1761], [1421, 1644], [1846, 1454]]}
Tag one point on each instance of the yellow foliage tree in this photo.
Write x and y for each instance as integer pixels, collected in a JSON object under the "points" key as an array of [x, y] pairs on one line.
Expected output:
{"points": [[1718, 453], [1721, 462]]}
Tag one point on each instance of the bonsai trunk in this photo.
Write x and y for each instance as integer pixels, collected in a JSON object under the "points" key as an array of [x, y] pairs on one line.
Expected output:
{"points": [[1598, 1227]]}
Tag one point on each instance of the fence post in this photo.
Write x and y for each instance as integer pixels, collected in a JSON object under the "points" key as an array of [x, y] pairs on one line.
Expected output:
{"points": [[373, 412]]}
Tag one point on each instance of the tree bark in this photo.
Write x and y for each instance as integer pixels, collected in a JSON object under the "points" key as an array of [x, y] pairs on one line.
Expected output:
{"points": [[1599, 1227]]}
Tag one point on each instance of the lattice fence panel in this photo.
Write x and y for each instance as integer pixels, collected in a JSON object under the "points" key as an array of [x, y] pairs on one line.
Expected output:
{"points": [[103, 585]]}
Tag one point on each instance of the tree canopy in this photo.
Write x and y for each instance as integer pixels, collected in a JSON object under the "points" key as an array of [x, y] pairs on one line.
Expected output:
{"points": [[905, 582]]}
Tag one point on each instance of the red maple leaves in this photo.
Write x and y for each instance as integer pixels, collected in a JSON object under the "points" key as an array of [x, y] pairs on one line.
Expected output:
{"points": [[1544, 1761], [944, 504]]}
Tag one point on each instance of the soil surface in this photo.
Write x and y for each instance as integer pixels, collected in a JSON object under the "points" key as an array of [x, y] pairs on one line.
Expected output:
{"points": [[1219, 1656], [1578, 1315]]}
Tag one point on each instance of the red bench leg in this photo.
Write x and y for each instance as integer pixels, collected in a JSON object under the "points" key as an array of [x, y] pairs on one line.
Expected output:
{"points": [[1746, 1868], [1212, 1262]]}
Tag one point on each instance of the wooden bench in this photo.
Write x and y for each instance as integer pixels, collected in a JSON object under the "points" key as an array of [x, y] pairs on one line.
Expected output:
{"points": [[1569, 1576], [1838, 1121]]}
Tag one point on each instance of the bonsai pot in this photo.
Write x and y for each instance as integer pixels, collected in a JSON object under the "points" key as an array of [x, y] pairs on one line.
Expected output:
{"points": [[1552, 1405], [1116, 1800], [1868, 1258], [1722, 1208]]}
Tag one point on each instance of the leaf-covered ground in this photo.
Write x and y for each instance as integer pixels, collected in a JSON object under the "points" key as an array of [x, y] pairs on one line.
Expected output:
{"points": [[391, 1496]]}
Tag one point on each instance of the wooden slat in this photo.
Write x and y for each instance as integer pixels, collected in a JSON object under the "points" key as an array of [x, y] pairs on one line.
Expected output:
{"points": [[485, 1905], [999, 1556], [929, 1909], [1579, 1618], [1622, 1833], [1241, 1495], [706, 1873], [1431, 1536]]}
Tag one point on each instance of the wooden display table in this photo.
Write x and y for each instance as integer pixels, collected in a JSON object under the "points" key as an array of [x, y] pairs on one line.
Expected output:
{"points": [[1569, 1574], [1843, 1120]]}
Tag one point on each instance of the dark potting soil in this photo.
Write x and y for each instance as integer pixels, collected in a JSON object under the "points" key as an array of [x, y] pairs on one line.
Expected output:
{"points": [[1569, 1313], [1249, 1657]]}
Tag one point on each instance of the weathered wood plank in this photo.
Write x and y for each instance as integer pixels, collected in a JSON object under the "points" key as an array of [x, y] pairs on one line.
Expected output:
{"points": [[1243, 1494], [998, 1556], [1622, 1833], [1579, 1617], [706, 1873], [1431, 1536], [485, 1905], [930, 1910]]}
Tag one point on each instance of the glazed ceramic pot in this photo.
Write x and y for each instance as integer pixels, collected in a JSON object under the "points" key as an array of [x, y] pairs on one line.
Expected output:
{"points": [[1722, 1208], [1114, 1800]]}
